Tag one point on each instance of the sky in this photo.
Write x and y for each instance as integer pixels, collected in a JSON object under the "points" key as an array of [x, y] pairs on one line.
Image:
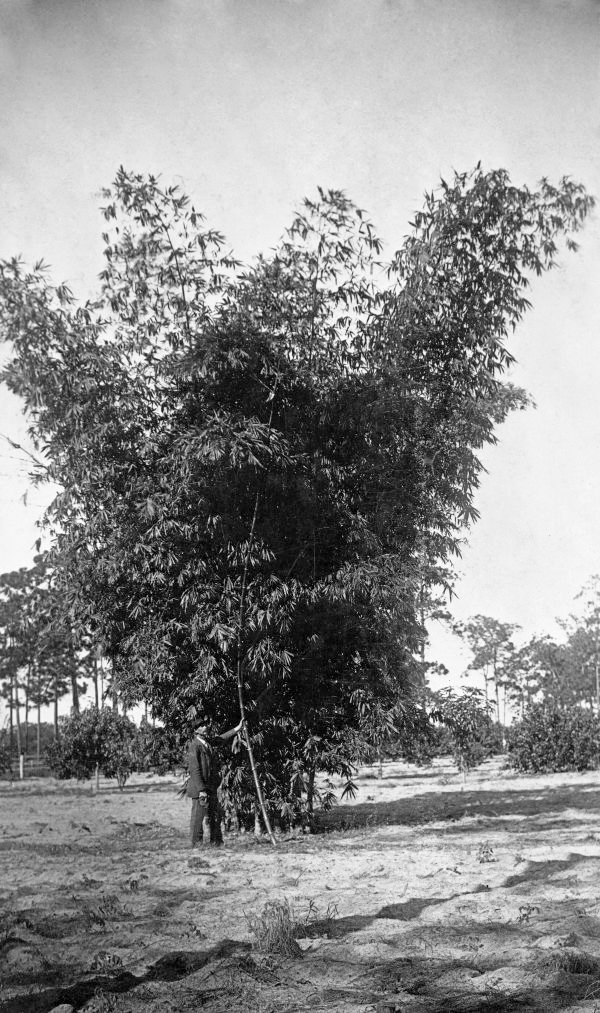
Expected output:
{"points": [[250, 104]]}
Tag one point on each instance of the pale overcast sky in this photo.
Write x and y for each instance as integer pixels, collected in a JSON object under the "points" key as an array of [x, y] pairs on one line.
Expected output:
{"points": [[253, 103]]}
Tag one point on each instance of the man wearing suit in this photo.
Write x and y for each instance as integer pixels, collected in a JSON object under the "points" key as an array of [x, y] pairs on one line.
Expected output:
{"points": [[204, 779]]}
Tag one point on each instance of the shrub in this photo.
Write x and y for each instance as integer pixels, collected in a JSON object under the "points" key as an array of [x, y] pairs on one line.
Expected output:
{"points": [[467, 720], [93, 737], [288, 772], [5, 764], [117, 738], [550, 738]]}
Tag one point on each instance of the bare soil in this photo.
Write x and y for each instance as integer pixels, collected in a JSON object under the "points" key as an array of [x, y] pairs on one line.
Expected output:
{"points": [[416, 896]]}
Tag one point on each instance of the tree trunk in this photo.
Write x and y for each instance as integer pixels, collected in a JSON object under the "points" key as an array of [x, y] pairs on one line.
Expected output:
{"points": [[379, 764], [258, 830], [496, 686], [27, 692], [39, 712], [597, 672], [310, 791], [18, 716], [95, 678], [56, 707], [423, 634], [74, 690], [11, 721]]}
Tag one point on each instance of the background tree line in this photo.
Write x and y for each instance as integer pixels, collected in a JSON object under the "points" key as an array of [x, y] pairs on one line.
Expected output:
{"points": [[565, 672]]}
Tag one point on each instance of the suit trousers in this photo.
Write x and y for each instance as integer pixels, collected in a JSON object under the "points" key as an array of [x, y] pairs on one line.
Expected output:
{"points": [[205, 822]]}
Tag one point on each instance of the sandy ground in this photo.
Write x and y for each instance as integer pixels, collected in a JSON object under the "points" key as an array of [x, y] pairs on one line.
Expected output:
{"points": [[415, 896]]}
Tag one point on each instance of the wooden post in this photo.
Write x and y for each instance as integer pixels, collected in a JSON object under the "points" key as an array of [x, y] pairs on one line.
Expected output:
{"points": [[21, 766]]}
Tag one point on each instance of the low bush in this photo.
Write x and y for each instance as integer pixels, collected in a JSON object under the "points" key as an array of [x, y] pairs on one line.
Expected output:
{"points": [[550, 738], [5, 764], [95, 736], [472, 735]]}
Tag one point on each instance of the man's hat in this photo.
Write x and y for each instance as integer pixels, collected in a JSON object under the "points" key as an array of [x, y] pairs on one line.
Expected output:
{"points": [[201, 720]]}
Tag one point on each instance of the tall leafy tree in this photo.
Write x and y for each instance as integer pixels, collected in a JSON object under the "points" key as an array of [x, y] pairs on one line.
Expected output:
{"points": [[583, 644], [565, 673], [261, 467], [491, 644], [539, 670], [39, 654]]}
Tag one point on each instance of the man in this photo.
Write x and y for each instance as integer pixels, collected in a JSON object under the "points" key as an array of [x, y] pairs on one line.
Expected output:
{"points": [[204, 779]]}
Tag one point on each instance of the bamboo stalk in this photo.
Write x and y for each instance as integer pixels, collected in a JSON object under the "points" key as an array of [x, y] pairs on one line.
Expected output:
{"points": [[240, 677], [240, 667]]}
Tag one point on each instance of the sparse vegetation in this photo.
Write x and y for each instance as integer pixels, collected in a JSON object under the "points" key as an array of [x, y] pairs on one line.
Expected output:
{"points": [[274, 929], [170, 929], [525, 913], [572, 961], [485, 853]]}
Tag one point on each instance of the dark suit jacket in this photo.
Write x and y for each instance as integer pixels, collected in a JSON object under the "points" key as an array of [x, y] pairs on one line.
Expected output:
{"points": [[201, 768]]}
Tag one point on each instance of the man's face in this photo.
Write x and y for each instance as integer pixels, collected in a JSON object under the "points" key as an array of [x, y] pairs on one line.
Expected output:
{"points": [[203, 729]]}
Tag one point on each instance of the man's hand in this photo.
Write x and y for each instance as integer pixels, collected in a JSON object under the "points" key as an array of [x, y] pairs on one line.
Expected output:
{"points": [[203, 798], [240, 736]]}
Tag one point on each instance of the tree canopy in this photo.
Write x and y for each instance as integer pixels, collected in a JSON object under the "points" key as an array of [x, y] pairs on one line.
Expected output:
{"points": [[263, 468]]}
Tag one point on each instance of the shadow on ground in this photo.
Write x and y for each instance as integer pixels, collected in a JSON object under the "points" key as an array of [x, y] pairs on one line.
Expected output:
{"points": [[432, 807], [170, 967], [539, 874]]}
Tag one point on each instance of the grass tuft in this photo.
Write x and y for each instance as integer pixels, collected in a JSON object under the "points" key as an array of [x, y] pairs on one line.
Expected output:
{"points": [[274, 929], [569, 960]]}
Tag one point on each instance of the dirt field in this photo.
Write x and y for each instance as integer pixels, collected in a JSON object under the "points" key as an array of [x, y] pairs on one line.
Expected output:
{"points": [[416, 896]]}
